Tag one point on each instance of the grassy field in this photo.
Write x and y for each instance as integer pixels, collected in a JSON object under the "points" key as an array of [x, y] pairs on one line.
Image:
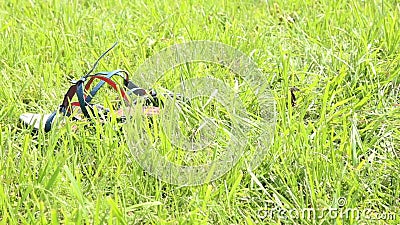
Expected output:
{"points": [[337, 148]]}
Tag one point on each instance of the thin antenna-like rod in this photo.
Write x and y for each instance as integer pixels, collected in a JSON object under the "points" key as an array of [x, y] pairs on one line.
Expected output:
{"points": [[97, 62]]}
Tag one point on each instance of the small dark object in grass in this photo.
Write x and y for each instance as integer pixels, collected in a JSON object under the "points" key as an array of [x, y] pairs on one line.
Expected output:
{"points": [[293, 97]]}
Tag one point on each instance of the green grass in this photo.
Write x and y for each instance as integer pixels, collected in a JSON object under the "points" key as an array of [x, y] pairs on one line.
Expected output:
{"points": [[340, 140]]}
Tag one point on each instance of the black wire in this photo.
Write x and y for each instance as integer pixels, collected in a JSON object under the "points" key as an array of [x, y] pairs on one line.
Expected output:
{"points": [[97, 62]]}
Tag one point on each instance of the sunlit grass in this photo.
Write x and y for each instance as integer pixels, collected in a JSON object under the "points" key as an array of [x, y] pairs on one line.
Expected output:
{"points": [[341, 139]]}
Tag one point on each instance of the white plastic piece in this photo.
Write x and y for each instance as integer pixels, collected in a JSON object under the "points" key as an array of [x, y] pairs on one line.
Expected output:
{"points": [[36, 120]]}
